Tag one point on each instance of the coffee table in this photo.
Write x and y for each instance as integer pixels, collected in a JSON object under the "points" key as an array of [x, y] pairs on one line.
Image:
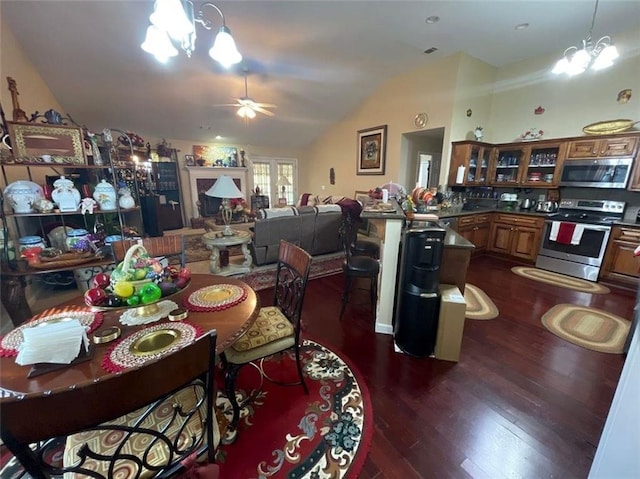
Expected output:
{"points": [[216, 242]]}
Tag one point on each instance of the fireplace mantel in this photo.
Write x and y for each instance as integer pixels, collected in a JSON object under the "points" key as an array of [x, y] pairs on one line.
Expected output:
{"points": [[207, 172]]}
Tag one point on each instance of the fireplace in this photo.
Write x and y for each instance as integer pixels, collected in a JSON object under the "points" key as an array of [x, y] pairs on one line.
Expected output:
{"points": [[202, 178]]}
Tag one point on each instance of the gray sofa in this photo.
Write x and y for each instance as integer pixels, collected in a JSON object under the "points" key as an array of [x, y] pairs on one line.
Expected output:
{"points": [[314, 228]]}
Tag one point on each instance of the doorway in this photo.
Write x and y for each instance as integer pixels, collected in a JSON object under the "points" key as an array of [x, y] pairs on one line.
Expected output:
{"points": [[422, 158]]}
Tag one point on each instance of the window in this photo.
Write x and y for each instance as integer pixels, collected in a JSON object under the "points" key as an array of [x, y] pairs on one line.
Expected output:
{"points": [[269, 175]]}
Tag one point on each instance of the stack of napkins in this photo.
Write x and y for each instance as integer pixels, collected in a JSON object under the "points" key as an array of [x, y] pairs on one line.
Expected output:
{"points": [[58, 342]]}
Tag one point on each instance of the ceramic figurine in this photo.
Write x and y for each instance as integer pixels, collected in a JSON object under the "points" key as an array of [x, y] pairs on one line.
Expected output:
{"points": [[65, 194], [478, 133], [43, 205], [105, 195], [87, 205]]}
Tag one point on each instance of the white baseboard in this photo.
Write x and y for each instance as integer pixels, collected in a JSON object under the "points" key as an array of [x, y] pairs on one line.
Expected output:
{"points": [[383, 328]]}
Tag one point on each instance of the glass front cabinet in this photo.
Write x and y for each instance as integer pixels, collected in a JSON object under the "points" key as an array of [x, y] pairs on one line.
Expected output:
{"points": [[470, 163], [531, 164]]}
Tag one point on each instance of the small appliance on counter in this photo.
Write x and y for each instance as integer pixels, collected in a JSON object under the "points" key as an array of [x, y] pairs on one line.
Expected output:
{"points": [[547, 207], [527, 204]]}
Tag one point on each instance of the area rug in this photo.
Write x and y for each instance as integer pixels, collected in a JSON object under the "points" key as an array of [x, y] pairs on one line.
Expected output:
{"points": [[284, 433], [588, 327], [288, 434], [265, 277], [561, 280], [479, 305]]}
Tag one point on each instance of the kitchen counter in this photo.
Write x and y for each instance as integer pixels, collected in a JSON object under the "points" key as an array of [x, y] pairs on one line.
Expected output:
{"points": [[457, 213]]}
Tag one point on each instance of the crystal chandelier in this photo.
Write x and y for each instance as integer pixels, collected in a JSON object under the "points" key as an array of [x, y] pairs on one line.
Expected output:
{"points": [[596, 55], [176, 20]]}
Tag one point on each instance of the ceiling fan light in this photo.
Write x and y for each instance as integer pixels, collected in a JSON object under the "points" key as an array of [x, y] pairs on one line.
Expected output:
{"points": [[158, 44], [561, 67], [224, 49], [246, 112], [171, 17]]}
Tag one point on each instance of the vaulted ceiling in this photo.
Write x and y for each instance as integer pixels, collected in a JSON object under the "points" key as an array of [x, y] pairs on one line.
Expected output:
{"points": [[315, 60]]}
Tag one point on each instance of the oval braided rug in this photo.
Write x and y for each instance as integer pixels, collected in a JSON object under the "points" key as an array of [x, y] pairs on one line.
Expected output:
{"points": [[561, 280], [479, 305], [588, 327]]}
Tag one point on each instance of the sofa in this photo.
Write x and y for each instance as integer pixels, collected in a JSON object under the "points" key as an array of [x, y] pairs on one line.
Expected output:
{"points": [[314, 228]]}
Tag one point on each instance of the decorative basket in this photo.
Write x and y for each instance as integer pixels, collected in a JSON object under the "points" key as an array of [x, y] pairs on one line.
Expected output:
{"points": [[135, 263], [608, 127]]}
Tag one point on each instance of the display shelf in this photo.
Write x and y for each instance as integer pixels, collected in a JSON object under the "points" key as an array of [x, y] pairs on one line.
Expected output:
{"points": [[69, 213]]}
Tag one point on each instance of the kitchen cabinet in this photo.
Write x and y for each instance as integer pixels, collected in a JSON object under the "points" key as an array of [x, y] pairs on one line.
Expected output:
{"points": [[634, 180], [619, 266], [609, 147], [515, 235], [476, 228], [475, 158], [529, 164]]}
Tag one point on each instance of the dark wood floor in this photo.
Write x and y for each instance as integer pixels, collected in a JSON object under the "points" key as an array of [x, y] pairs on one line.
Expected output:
{"points": [[520, 403]]}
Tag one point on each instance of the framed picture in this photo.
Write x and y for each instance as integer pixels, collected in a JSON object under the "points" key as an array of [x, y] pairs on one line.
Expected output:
{"points": [[190, 160], [221, 156], [38, 143], [372, 145]]}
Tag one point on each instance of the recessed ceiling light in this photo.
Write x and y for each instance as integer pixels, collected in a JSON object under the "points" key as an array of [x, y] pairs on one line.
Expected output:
{"points": [[432, 19], [218, 137], [431, 50], [522, 26]]}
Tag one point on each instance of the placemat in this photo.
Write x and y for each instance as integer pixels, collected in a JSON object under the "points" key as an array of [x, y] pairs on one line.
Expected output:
{"points": [[128, 352], [215, 298], [13, 339], [130, 316]]}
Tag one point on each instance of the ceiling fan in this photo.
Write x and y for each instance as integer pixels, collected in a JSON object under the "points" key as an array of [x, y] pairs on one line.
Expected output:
{"points": [[247, 107]]}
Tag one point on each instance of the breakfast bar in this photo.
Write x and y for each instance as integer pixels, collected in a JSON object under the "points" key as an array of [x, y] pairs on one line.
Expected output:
{"points": [[388, 227]]}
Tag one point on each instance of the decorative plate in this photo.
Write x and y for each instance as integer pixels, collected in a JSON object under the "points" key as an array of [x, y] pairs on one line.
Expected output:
{"points": [[90, 319], [215, 298], [608, 127], [421, 120], [149, 343]]}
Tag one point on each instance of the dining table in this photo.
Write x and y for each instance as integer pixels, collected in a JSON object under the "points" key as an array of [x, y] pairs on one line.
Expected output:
{"points": [[230, 322]]}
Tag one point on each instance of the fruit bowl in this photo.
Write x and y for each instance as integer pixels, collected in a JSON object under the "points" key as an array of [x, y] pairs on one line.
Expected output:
{"points": [[141, 309]]}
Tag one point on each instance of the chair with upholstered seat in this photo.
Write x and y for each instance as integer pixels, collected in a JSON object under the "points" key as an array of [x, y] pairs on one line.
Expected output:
{"points": [[171, 247], [356, 265], [149, 421], [277, 328]]}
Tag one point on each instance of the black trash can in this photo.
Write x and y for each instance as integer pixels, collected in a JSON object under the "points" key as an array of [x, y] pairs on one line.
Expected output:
{"points": [[418, 301]]}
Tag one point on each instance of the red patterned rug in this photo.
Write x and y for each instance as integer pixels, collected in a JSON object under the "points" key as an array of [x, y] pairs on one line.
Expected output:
{"points": [[265, 278], [285, 433]]}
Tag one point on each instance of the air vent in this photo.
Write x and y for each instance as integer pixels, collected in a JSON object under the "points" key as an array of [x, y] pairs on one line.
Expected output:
{"points": [[431, 50]]}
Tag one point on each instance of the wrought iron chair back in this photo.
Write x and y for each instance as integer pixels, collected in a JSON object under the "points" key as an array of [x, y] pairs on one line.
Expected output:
{"points": [[147, 420]]}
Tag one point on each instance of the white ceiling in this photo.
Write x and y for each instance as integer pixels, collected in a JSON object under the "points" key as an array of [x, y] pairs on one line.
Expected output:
{"points": [[316, 60]]}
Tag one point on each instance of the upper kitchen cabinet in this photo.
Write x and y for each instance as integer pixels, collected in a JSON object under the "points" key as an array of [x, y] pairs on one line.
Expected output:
{"points": [[610, 147], [543, 163], [470, 162], [508, 163]]}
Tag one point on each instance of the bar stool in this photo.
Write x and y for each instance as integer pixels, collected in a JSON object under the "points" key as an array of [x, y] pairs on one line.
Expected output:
{"points": [[356, 265]]}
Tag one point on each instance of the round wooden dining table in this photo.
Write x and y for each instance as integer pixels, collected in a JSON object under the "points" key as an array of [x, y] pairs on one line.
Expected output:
{"points": [[229, 323]]}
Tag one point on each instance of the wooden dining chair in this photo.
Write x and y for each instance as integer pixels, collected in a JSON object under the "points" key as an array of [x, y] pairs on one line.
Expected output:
{"points": [[148, 421], [172, 247], [277, 328]]}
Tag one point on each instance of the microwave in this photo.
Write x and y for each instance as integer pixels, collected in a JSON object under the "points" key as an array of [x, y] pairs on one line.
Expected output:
{"points": [[600, 173]]}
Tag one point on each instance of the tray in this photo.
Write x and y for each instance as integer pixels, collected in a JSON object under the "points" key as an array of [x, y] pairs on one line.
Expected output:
{"points": [[50, 263], [608, 127]]}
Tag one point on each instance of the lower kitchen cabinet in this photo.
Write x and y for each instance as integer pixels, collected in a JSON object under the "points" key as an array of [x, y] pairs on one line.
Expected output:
{"points": [[476, 228], [619, 265], [515, 235]]}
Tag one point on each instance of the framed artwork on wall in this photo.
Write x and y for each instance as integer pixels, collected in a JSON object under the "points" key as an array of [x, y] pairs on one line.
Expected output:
{"points": [[220, 156], [189, 160], [372, 145]]}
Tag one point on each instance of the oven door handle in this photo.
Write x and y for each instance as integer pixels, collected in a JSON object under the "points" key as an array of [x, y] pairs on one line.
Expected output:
{"points": [[587, 226]]}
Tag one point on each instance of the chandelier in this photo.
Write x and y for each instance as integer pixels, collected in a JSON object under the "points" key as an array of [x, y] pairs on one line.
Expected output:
{"points": [[596, 55], [176, 20]]}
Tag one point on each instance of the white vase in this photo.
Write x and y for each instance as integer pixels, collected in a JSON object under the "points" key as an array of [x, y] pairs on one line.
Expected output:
{"points": [[126, 201], [65, 194], [22, 195], [105, 195]]}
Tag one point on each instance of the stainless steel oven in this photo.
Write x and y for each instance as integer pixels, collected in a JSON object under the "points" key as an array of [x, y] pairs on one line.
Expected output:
{"points": [[582, 255]]}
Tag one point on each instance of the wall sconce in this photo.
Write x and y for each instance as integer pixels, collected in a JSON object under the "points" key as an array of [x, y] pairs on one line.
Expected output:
{"points": [[176, 20]]}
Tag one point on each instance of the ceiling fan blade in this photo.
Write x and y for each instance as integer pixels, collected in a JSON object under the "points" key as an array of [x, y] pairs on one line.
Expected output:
{"points": [[262, 110], [227, 104], [266, 105]]}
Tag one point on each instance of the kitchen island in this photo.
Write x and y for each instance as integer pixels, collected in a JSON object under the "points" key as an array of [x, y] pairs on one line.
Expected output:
{"points": [[388, 227]]}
